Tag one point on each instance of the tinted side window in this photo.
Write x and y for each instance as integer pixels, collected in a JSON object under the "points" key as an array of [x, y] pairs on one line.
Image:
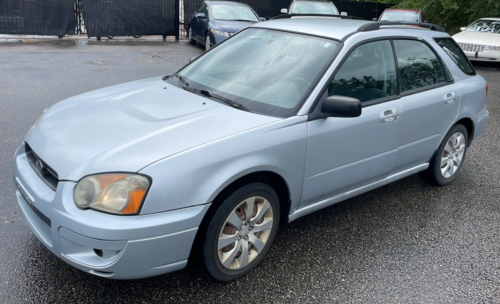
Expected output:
{"points": [[457, 55], [418, 65], [368, 73]]}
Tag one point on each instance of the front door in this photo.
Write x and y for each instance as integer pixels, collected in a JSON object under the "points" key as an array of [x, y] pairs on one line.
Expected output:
{"points": [[344, 154]]}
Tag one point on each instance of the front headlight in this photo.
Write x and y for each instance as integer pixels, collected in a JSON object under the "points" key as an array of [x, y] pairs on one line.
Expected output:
{"points": [[113, 193], [36, 122], [491, 48], [221, 33]]}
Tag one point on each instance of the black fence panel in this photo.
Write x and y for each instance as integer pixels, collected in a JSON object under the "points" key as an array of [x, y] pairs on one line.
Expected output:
{"points": [[365, 10], [189, 7], [37, 17], [130, 17]]}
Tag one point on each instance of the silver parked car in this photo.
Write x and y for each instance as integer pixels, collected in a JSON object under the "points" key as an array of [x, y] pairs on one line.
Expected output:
{"points": [[285, 118]]}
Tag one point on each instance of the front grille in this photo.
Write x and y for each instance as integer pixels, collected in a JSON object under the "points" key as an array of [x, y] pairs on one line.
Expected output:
{"points": [[44, 171], [471, 47]]}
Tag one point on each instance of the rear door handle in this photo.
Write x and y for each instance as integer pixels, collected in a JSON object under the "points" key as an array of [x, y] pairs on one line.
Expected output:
{"points": [[449, 97], [389, 115]]}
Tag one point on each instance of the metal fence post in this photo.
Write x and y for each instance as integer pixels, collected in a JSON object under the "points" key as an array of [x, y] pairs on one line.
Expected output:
{"points": [[177, 12]]}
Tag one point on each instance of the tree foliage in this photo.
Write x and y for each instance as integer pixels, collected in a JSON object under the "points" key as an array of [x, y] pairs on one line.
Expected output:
{"points": [[452, 14]]}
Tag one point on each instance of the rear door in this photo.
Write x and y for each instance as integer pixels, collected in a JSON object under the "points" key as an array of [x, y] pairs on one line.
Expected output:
{"points": [[430, 99]]}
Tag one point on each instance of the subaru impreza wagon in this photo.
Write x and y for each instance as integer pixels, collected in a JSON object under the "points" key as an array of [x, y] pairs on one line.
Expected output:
{"points": [[282, 119]]}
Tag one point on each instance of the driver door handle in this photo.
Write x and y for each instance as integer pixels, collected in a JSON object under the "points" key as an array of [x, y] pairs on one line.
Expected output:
{"points": [[449, 97], [389, 115]]}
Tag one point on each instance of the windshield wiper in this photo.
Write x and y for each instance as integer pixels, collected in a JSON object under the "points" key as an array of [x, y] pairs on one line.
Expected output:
{"points": [[179, 77], [224, 99], [240, 20]]}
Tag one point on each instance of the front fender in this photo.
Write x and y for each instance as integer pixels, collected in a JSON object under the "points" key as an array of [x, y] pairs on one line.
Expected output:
{"points": [[197, 176]]}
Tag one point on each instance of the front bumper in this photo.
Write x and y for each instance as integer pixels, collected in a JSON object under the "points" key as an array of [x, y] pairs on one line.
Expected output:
{"points": [[493, 56], [118, 247]]}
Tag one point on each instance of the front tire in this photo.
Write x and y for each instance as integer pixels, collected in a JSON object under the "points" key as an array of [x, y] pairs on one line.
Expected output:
{"points": [[241, 232], [449, 157], [207, 42]]}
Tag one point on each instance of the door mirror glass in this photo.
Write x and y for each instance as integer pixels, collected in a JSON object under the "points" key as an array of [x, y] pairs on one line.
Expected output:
{"points": [[200, 15], [341, 106]]}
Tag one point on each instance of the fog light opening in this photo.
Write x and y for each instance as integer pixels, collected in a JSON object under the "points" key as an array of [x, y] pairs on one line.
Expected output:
{"points": [[99, 252]]}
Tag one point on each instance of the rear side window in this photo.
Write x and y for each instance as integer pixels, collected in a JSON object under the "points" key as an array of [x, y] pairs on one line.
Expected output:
{"points": [[418, 66], [457, 55]]}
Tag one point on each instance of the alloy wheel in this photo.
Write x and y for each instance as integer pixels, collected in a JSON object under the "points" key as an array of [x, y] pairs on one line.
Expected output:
{"points": [[245, 232], [453, 154], [207, 43]]}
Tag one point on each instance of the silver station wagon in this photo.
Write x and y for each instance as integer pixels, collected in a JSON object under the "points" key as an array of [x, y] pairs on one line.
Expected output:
{"points": [[282, 119]]}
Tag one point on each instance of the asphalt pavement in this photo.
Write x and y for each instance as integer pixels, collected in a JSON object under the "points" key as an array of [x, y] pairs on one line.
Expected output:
{"points": [[407, 242]]}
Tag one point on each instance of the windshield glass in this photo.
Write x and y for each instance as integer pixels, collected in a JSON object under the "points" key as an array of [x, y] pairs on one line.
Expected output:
{"points": [[303, 7], [268, 72], [489, 26], [232, 12], [400, 16]]}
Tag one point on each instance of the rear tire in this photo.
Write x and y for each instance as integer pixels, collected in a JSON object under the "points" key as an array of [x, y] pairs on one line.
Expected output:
{"points": [[449, 157], [241, 232]]}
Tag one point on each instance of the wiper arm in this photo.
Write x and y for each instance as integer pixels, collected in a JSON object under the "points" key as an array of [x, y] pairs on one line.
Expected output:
{"points": [[241, 20], [179, 77], [224, 99]]}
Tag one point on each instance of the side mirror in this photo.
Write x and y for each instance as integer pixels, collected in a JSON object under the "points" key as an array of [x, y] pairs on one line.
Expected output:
{"points": [[200, 15], [463, 28], [193, 58], [426, 21], [284, 11], [262, 19], [374, 19], [343, 14], [341, 106]]}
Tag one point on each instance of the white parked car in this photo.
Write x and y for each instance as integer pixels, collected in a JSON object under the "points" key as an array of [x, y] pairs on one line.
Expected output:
{"points": [[481, 40]]}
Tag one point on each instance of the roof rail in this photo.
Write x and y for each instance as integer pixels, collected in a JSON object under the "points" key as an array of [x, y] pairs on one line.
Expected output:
{"points": [[373, 26], [286, 16]]}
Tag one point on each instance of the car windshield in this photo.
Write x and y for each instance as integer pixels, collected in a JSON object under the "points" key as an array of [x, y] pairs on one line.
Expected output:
{"points": [[489, 26], [232, 12], [407, 16], [303, 7], [266, 71]]}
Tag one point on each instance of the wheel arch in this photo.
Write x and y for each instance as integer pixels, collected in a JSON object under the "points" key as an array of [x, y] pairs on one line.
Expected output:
{"points": [[469, 125], [273, 179]]}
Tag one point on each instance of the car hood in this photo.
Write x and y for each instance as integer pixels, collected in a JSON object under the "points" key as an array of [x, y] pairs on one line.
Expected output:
{"points": [[477, 38], [232, 26], [127, 127]]}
